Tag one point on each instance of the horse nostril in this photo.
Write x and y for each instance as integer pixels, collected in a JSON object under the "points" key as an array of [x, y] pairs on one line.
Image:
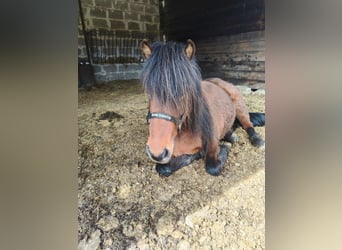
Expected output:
{"points": [[158, 158], [164, 154]]}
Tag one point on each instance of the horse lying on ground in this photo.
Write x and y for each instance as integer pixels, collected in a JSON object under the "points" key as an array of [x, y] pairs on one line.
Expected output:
{"points": [[188, 116]]}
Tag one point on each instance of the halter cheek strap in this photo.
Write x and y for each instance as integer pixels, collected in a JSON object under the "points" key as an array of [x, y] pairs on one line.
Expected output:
{"points": [[166, 117]]}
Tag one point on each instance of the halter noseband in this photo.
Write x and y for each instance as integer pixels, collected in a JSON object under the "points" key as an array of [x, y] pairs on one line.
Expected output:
{"points": [[166, 117]]}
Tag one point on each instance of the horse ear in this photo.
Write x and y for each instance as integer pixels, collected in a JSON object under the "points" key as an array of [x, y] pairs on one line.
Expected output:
{"points": [[190, 48], [145, 49]]}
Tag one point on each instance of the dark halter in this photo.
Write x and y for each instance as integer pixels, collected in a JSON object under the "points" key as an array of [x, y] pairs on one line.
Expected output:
{"points": [[166, 117]]}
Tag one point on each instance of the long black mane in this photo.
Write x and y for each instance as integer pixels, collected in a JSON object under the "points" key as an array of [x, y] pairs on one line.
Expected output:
{"points": [[175, 80]]}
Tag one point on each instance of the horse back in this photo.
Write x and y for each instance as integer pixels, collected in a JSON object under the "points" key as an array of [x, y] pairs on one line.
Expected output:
{"points": [[242, 113]]}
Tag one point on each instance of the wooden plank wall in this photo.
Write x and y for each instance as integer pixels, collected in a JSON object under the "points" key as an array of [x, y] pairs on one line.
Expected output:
{"points": [[239, 58], [229, 35]]}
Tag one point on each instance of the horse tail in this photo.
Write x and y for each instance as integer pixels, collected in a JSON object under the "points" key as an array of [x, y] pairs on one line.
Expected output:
{"points": [[256, 118]]}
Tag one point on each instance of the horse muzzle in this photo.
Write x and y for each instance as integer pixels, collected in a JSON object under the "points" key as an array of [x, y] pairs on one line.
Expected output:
{"points": [[163, 158]]}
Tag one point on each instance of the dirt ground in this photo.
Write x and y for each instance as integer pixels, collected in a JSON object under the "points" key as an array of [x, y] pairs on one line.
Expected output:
{"points": [[124, 204]]}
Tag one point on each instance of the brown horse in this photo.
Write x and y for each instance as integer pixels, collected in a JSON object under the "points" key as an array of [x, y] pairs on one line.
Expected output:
{"points": [[188, 116]]}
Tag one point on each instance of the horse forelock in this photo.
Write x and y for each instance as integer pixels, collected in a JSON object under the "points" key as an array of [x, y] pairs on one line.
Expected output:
{"points": [[175, 81], [170, 76]]}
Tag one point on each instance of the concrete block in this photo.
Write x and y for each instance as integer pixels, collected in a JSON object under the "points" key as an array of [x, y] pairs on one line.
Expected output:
{"points": [[151, 27], [87, 3], [115, 14], [116, 76], [103, 3], [121, 5], [146, 18], [97, 12], [137, 7], [129, 67], [98, 69], [110, 68], [117, 25], [132, 75], [131, 16], [100, 23], [133, 26], [152, 9]]}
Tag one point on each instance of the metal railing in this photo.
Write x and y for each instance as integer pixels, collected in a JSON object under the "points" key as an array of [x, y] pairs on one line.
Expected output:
{"points": [[108, 47]]}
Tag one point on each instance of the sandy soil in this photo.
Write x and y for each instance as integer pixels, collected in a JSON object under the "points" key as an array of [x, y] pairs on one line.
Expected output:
{"points": [[124, 204]]}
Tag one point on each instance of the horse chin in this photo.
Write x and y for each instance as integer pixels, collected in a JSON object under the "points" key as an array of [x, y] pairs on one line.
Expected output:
{"points": [[164, 161]]}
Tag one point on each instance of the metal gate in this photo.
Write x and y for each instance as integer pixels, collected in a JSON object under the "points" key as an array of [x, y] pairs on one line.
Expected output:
{"points": [[108, 47]]}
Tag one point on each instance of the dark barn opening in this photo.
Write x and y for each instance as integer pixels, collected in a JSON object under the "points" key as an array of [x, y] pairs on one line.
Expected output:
{"points": [[229, 35]]}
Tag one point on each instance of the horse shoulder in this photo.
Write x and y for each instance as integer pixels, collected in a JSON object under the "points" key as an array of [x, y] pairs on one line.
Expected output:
{"points": [[221, 108]]}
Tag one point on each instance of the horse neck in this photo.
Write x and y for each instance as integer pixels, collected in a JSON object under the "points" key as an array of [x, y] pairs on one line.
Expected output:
{"points": [[200, 122]]}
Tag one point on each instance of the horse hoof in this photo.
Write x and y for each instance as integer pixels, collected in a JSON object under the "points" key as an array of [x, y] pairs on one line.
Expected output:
{"points": [[233, 138], [215, 171], [214, 167], [163, 170], [257, 141]]}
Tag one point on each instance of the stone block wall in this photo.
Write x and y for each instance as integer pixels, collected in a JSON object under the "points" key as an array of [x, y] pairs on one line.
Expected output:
{"points": [[118, 15]]}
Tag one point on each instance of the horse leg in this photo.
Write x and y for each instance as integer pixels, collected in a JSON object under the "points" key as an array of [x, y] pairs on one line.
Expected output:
{"points": [[230, 137], [242, 113], [254, 137], [176, 163], [215, 163]]}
